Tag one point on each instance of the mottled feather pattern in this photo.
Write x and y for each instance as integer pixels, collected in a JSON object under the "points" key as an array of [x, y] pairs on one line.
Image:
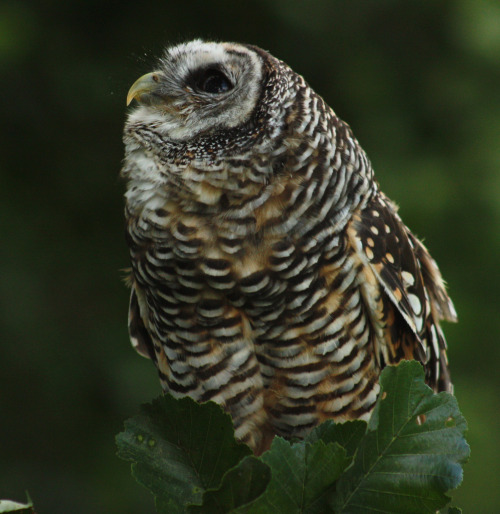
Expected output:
{"points": [[269, 272], [408, 274]]}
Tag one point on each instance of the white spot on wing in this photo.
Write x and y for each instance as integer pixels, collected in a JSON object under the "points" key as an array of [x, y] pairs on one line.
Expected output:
{"points": [[408, 278], [415, 304]]}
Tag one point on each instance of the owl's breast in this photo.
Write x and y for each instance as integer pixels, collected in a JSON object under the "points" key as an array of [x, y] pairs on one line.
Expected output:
{"points": [[242, 298]]}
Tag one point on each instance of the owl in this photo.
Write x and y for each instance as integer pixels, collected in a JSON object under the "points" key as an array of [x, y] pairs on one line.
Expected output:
{"points": [[269, 272]]}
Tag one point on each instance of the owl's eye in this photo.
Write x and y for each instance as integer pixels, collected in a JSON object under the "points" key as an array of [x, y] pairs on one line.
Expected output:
{"points": [[212, 81]]}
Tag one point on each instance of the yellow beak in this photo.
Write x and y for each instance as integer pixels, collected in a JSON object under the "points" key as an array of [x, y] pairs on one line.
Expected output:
{"points": [[143, 87]]}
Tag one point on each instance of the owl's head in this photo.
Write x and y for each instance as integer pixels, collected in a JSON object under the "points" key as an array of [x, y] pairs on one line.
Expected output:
{"points": [[198, 87]]}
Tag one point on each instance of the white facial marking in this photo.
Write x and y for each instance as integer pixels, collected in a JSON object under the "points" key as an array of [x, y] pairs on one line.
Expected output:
{"points": [[187, 112]]}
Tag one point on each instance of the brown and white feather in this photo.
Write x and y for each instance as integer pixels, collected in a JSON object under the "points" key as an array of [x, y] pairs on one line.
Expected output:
{"points": [[269, 272]]}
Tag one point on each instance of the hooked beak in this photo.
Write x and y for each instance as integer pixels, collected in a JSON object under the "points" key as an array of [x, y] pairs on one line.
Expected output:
{"points": [[146, 89]]}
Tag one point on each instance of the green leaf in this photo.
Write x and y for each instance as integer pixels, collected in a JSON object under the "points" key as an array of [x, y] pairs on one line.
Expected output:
{"points": [[348, 434], [412, 452], [302, 475], [240, 486], [179, 449], [454, 510]]}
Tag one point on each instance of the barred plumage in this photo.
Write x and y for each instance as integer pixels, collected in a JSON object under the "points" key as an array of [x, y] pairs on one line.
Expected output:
{"points": [[270, 274]]}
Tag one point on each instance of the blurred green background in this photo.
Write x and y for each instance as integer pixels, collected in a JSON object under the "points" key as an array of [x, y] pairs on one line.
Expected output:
{"points": [[418, 81]]}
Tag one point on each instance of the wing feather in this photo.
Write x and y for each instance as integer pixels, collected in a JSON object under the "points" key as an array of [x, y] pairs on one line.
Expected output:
{"points": [[139, 336], [413, 286]]}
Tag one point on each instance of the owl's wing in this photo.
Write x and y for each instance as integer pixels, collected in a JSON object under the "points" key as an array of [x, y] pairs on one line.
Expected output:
{"points": [[414, 298], [139, 336]]}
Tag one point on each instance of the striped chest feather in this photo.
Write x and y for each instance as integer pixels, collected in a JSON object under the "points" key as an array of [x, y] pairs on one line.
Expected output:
{"points": [[271, 326]]}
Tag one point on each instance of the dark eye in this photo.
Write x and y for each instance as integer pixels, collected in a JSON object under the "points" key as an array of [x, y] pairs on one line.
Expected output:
{"points": [[213, 82]]}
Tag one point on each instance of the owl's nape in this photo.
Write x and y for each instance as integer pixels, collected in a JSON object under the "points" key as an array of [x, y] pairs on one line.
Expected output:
{"points": [[270, 274]]}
